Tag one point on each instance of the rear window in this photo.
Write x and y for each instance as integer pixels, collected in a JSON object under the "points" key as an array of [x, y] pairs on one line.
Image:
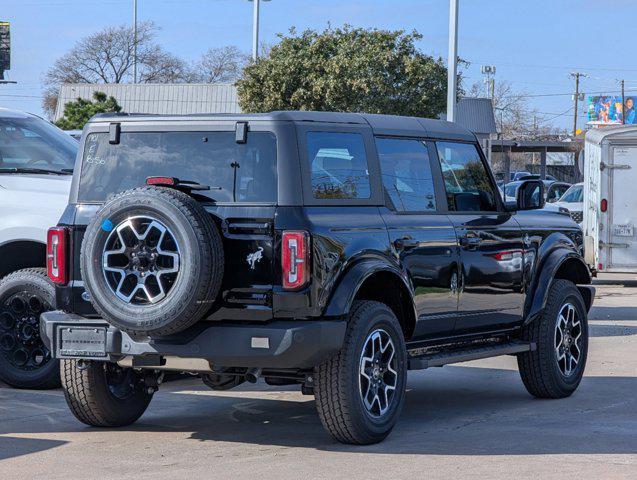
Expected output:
{"points": [[234, 172]]}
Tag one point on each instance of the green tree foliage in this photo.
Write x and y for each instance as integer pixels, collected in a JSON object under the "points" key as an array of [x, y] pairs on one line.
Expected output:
{"points": [[349, 70], [77, 113]]}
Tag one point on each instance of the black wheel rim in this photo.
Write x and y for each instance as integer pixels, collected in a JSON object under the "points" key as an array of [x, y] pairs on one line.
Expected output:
{"points": [[20, 342], [378, 373], [568, 339]]}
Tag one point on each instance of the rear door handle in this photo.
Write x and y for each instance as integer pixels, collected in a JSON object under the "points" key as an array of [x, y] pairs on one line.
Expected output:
{"points": [[405, 242]]}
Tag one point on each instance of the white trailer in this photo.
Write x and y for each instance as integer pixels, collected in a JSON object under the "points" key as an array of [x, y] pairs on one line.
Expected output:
{"points": [[610, 199]]}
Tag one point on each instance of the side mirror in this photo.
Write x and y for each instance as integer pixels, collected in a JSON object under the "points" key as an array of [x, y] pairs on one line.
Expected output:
{"points": [[529, 196]]}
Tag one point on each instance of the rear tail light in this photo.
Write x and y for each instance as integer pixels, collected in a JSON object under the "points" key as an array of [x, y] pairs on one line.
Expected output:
{"points": [[295, 259], [603, 205], [56, 248]]}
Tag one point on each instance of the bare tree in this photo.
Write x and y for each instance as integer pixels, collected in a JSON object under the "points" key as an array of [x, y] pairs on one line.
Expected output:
{"points": [[107, 57], [514, 118], [220, 65]]}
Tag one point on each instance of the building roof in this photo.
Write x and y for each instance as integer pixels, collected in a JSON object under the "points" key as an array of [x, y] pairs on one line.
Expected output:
{"points": [[476, 115], [175, 99], [598, 135]]}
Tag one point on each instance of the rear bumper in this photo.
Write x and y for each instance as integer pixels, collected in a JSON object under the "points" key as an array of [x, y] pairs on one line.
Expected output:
{"points": [[277, 344]]}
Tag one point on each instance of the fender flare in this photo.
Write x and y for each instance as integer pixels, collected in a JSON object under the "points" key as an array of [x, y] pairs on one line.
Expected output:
{"points": [[548, 270], [351, 281]]}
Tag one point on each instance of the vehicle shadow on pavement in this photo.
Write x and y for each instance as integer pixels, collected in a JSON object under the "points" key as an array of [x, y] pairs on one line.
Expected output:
{"points": [[11, 447], [458, 410]]}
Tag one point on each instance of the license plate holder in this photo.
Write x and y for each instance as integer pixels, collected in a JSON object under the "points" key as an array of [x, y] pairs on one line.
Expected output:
{"points": [[623, 230], [83, 342]]}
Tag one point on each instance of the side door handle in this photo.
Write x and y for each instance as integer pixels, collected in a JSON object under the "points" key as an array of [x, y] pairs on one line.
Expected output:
{"points": [[405, 242]]}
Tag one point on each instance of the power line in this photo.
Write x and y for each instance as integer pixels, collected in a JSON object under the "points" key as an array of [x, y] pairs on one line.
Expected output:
{"points": [[559, 67]]}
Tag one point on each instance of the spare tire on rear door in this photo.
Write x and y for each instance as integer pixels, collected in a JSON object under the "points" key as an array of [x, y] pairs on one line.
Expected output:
{"points": [[152, 261]]}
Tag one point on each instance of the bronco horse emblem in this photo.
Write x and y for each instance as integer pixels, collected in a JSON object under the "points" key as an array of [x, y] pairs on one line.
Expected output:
{"points": [[255, 257]]}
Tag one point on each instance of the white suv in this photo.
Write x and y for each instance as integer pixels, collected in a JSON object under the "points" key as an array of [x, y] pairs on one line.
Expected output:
{"points": [[36, 165]]}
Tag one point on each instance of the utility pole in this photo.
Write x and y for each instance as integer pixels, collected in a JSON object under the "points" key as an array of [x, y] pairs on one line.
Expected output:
{"points": [[577, 76], [623, 104], [134, 41], [452, 61]]}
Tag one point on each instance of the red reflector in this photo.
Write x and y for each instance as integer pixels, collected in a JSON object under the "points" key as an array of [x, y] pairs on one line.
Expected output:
{"points": [[603, 205], [295, 259], [162, 181], [56, 261]]}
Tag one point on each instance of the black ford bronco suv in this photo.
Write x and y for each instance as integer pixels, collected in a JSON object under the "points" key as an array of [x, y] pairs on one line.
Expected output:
{"points": [[331, 250]]}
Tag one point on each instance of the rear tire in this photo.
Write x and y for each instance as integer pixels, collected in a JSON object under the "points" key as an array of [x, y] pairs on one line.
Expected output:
{"points": [[344, 384], [100, 393], [25, 362], [556, 367]]}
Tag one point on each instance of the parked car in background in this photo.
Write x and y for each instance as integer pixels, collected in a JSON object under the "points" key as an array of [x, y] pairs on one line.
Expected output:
{"points": [[572, 202], [501, 177], [36, 165], [553, 190], [334, 251]]}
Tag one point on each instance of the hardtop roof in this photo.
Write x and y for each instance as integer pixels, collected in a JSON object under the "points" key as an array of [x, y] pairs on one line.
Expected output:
{"points": [[390, 125]]}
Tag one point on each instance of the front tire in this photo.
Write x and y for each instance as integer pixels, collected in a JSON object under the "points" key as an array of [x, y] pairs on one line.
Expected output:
{"points": [[360, 391], [102, 394], [556, 367]]}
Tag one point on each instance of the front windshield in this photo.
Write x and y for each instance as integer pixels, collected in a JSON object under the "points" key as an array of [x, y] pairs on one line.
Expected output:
{"points": [[32, 143], [573, 195]]}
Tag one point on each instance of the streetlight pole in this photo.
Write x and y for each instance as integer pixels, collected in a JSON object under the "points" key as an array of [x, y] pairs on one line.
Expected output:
{"points": [[255, 30], [452, 61], [134, 41]]}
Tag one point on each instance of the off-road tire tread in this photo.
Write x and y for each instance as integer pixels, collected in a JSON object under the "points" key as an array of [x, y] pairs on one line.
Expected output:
{"points": [[330, 385], [86, 401], [535, 366], [208, 237]]}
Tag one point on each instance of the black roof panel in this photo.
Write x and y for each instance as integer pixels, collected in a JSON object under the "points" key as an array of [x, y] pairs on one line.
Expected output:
{"points": [[380, 124]]}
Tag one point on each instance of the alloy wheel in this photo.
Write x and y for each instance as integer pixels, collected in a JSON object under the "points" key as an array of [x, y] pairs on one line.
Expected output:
{"points": [[378, 376], [141, 260], [568, 339]]}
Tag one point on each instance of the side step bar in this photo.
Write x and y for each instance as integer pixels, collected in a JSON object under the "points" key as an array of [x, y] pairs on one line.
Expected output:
{"points": [[438, 359]]}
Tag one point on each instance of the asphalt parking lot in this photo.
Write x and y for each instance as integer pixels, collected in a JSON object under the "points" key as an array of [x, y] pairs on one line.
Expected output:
{"points": [[473, 420]]}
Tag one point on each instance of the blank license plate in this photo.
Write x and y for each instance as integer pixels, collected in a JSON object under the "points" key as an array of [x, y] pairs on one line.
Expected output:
{"points": [[623, 230], [82, 342]]}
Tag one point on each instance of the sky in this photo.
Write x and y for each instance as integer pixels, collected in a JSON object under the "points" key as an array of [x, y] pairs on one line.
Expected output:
{"points": [[534, 45]]}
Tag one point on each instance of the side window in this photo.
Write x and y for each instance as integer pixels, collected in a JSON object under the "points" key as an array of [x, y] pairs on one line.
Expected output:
{"points": [[338, 164], [406, 174], [467, 182]]}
